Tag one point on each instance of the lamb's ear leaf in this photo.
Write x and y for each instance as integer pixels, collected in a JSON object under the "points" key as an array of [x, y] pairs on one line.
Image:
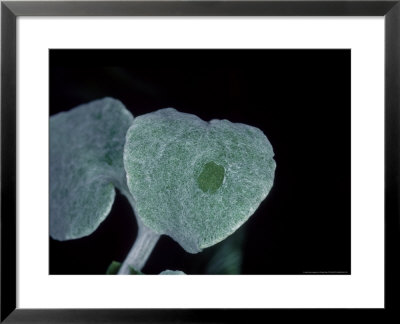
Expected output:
{"points": [[113, 268], [86, 163], [172, 272], [196, 181]]}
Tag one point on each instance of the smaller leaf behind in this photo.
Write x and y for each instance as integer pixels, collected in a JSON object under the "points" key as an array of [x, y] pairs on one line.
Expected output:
{"points": [[86, 163]]}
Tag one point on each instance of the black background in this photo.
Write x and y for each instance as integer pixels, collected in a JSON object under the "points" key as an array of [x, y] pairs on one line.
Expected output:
{"points": [[301, 101]]}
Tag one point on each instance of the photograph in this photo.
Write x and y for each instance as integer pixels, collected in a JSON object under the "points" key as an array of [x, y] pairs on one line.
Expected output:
{"points": [[200, 161]]}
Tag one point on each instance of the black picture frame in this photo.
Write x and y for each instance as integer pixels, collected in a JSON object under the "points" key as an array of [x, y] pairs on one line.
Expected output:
{"points": [[10, 10]]}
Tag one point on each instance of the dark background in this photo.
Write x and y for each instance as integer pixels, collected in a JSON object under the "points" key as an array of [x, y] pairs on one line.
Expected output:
{"points": [[301, 101]]}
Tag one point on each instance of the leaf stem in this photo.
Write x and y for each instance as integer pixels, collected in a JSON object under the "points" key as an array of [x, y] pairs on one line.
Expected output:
{"points": [[144, 244], [137, 257]]}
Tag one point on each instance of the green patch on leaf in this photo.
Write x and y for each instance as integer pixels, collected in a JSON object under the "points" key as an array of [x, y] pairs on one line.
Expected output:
{"points": [[211, 178]]}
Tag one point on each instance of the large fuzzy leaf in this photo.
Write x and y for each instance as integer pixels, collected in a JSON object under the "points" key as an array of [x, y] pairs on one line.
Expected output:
{"points": [[193, 180], [86, 163]]}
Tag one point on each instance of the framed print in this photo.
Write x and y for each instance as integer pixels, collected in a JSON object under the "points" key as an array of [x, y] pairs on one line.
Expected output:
{"points": [[250, 147], [221, 83]]}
